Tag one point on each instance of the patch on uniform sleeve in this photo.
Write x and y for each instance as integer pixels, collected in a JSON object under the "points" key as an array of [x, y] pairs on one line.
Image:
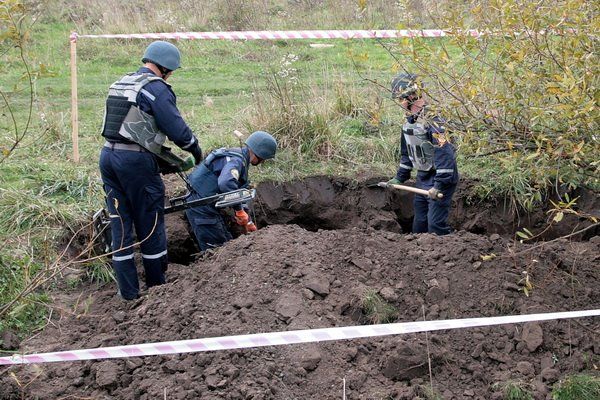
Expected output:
{"points": [[235, 173]]}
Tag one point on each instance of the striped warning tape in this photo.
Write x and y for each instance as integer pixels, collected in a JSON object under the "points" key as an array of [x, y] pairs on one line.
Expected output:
{"points": [[314, 34], [277, 35], [283, 338]]}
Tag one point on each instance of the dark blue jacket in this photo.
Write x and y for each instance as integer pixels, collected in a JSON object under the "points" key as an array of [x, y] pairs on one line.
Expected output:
{"points": [[223, 170], [445, 171], [159, 100]]}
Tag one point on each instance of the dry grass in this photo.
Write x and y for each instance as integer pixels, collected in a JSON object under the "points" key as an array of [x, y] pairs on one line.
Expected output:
{"points": [[113, 16]]}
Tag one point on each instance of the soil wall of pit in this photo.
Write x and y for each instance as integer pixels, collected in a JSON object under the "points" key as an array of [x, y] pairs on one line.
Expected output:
{"points": [[324, 202]]}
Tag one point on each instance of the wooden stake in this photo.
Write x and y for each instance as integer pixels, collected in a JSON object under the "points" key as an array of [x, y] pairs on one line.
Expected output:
{"points": [[74, 109]]}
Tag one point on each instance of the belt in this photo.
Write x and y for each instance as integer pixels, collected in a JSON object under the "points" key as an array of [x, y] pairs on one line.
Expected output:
{"points": [[124, 146]]}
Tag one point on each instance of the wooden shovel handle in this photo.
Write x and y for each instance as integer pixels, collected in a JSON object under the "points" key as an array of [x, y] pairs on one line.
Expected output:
{"points": [[408, 189]]}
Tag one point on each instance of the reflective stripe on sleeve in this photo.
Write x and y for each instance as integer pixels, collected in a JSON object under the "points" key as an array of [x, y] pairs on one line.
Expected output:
{"points": [[190, 144], [444, 171], [404, 166], [148, 94]]}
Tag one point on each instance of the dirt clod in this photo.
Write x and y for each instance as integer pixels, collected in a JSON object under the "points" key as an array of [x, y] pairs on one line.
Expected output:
{"points": [[533, 336]]}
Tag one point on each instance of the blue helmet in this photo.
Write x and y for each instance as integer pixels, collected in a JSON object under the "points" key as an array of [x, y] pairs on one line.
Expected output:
{"points": [[163, 54], [262, 144]]}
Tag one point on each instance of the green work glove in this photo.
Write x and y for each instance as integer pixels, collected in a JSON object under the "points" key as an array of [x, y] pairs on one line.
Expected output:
{"points": [[188, 163], [394, 181]]}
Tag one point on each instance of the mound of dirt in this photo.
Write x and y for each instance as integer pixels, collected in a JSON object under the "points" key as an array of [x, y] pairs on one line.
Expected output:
{"points": [[325, 202], [284, 277]]}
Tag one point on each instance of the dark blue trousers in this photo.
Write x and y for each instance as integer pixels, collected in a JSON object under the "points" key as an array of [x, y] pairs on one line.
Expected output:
{"points": [[208, 225], [135, 196], [432, 215]]}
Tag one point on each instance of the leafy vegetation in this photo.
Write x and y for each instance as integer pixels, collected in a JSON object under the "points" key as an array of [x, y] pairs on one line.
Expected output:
{"points": [[29, 313], [428, 393], [521, 96]]}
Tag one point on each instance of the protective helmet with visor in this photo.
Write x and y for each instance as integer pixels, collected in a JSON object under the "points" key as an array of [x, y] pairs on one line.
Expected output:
{"points": [[405, 86]]}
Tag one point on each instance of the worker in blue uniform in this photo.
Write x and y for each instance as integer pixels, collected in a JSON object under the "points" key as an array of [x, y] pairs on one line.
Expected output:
{"points": [[425, 147], [141, 113], [224, 170]]}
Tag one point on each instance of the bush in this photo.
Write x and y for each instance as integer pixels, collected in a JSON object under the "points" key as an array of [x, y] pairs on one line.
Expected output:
{"points": [[525, 92]]}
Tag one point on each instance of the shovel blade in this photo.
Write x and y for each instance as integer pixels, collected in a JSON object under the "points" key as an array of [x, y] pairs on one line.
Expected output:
{"points": [[377, 184]]}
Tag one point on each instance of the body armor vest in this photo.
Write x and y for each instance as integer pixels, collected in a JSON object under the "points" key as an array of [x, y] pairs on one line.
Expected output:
{"points": [[420, 149], [203, 179], [124, 121]]}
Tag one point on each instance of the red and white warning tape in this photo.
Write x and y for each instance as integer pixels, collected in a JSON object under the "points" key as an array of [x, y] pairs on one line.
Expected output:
{"points": [[283, 338], [314, 34], [276, 35]]}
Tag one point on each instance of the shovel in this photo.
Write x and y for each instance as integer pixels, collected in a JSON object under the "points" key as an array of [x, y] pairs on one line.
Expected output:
{"points": [[405, 188]]}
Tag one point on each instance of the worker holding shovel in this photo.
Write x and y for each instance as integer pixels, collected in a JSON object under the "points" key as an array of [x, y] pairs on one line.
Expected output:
{"points": [[424, 147]]}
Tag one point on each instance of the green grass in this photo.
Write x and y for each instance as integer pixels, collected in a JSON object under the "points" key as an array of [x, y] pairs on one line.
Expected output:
{"points": [[575, 387], [28, 314], [513, 390], [428, 393], [99, 271], [376, 309]]}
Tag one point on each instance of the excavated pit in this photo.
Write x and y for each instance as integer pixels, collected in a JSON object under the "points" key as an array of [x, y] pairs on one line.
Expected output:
{"points": [[324, 243], [331, 203]]}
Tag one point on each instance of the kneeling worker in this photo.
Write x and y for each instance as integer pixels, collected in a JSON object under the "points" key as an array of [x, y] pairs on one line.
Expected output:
{"points": [[222, 171]]}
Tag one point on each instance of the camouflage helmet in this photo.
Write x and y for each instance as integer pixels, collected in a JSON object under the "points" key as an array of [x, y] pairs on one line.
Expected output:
{"points": [[404, 85]]}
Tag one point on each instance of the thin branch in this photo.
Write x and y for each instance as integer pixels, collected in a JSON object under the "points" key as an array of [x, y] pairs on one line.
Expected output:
{"points": [[551, 241]]}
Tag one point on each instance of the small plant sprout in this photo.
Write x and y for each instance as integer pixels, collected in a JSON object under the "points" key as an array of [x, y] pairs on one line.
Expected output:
{"points": [[513, 390], [525, 234], [526, 282]]}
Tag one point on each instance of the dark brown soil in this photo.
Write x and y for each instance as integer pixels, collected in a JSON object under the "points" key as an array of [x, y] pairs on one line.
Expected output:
{"points": [[325, 242]]}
